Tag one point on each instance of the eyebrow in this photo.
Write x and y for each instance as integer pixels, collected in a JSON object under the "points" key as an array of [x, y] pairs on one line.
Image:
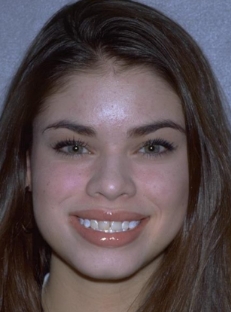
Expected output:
{"points": [[152, 127], [80, 129], [134, 132]]}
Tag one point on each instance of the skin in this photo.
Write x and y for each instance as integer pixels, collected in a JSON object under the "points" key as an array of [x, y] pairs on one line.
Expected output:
{"points": [[113, 172]]}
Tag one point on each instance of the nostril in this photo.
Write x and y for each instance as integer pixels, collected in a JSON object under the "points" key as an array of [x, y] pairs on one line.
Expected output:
{"points": [[111, 183]]}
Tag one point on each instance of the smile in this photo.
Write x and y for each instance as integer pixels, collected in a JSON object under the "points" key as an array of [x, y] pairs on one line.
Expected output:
{"points": [[109, 226], [108, 229]]}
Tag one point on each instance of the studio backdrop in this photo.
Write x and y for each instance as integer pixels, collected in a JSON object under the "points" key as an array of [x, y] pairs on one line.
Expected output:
{"points": [[208, 21]]}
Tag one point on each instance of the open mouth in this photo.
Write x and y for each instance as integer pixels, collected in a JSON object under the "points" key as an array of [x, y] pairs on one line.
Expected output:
{"points": [[109, 226], [108, 229]]}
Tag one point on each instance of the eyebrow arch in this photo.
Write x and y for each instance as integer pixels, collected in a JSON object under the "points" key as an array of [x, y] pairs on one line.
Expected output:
{"points": [[80, 129], [134, 132], [152, 127]]}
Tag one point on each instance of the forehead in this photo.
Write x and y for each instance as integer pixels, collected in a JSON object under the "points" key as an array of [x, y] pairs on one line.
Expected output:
{"points": [[108, 98]]}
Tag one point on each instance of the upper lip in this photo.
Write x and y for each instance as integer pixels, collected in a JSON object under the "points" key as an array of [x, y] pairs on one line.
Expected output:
{"points": [[109, 215]]}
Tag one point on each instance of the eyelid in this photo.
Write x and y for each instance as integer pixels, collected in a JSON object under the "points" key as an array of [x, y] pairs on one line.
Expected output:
{"points": [[169, 147], [60, 145]]}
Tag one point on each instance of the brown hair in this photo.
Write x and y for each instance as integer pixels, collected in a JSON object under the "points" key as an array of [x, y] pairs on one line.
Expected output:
{"points": [[195, 272]]}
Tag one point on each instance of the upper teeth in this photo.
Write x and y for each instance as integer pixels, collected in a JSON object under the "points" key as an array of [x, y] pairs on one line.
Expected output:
{"points": [[109, 226]]}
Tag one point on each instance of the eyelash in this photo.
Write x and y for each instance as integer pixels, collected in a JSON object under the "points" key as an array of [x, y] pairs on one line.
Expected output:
{"points": [[167, 146], [59, 147]]}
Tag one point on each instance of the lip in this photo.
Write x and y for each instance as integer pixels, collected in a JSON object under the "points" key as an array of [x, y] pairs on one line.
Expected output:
{"points": [[105, 215], [108, 240]]}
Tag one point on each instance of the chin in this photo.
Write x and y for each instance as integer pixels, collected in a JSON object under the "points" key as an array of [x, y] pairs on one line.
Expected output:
{"points": [[110, 265], [108, 273]]}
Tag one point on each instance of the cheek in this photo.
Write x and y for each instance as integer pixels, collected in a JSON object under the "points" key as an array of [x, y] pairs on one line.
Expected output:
{"points": [[165, 192], [55, 187], [54, 182], [166, 187]]}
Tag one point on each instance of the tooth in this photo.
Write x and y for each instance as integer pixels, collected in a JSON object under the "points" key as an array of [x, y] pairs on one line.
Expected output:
{"points": [[107, 226], [116, 226], [87, 223], [103, 225], [94, 225], [125, 225], [133, 224]]}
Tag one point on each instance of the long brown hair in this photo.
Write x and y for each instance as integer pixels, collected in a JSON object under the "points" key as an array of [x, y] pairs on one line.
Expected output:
{"points": [[195, 272]]}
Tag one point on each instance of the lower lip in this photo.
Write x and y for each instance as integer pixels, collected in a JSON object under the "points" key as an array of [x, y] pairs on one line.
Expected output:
{"points": [[108, 240]]}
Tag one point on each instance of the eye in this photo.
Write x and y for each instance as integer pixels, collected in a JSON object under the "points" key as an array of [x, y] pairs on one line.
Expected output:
{"points": [[71, 147], [156, 147]]}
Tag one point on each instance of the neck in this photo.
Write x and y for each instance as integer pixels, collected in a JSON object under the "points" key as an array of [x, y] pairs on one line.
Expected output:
{"points": [[67, 290]]}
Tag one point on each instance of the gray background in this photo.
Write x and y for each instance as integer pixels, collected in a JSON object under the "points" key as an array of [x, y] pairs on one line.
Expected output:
{"points": [[208, 21]]}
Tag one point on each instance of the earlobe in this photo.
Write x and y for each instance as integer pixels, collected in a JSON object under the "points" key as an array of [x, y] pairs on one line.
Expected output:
{"points": [[28, 172]]}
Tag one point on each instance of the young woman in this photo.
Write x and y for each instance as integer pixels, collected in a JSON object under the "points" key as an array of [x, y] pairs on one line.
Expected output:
{"points": [[115, 169]]}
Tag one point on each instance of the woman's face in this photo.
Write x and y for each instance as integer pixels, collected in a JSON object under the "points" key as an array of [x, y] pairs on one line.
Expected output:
{"points": [[109, 172]]}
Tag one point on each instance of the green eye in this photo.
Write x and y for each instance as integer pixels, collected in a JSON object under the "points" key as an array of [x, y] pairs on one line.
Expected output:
{"points": [[71, 147], [156, 147]]}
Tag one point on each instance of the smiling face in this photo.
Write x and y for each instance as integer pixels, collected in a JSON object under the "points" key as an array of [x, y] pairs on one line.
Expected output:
{"points": [[109, 172]]}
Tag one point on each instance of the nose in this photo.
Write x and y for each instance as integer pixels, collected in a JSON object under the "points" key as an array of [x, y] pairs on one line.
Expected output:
{"points": [[111, 179]]}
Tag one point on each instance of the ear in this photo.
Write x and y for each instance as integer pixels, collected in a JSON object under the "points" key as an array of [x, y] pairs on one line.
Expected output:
{"points": [[28, 171]]}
